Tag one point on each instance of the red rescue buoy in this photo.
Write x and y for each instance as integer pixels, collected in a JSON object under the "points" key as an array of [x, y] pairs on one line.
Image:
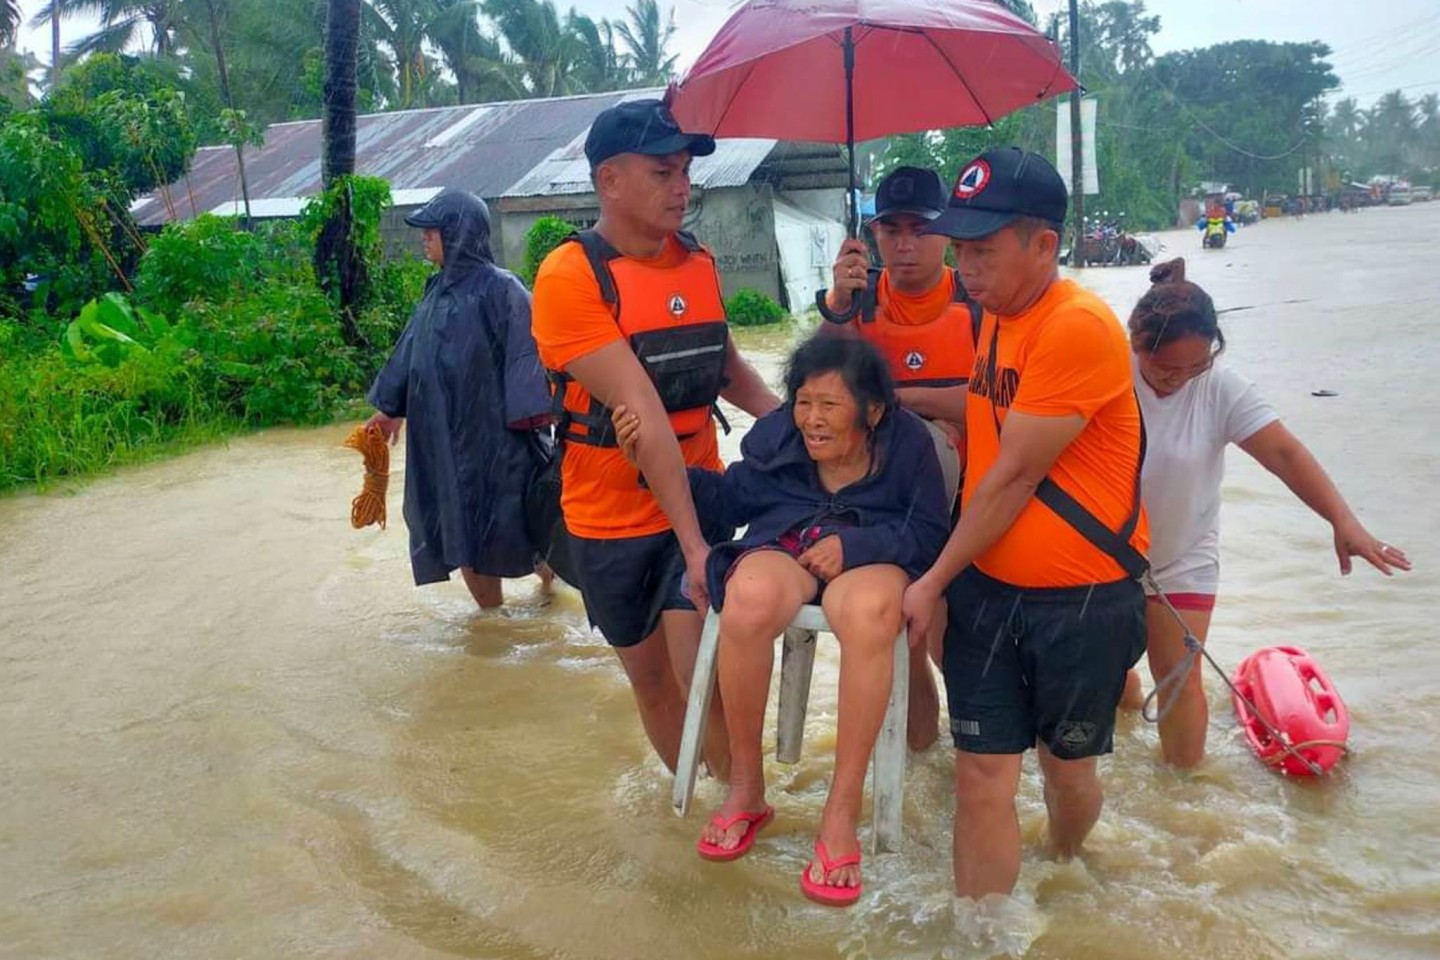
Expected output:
{"points": [[1297, 699]]}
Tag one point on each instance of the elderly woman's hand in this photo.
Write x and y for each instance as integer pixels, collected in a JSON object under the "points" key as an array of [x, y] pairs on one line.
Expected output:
{"points": [[826, 560], [627, 432]]}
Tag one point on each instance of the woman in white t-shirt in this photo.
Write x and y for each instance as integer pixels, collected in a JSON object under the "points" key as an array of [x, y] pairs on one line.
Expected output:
{"points": [[1194, 409]]}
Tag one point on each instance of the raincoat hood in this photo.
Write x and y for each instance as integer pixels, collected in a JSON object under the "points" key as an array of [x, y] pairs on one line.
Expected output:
{"points": [[463, 220]]}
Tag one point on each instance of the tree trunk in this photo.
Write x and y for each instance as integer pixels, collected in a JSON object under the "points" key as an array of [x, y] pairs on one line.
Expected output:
{"points": [[224, 77], [342, 45], [338, 265]]}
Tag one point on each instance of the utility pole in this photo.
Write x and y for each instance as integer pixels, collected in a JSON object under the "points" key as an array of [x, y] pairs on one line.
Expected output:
{"points": [[1077, 162]]}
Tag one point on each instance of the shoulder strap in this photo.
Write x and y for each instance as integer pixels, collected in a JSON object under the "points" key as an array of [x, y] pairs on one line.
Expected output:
{"points": [[977, 312], [599, 252], [1113, 543]]}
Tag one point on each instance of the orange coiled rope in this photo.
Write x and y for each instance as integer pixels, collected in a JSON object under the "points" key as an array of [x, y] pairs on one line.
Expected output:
{"points": [[369, 506]]}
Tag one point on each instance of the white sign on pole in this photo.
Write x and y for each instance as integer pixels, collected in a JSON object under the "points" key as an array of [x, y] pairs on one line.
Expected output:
{"points": [[1087, 143]]}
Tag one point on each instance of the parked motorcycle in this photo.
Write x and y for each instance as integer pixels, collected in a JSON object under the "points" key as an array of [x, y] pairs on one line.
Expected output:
{"points": [[1107, 243]]}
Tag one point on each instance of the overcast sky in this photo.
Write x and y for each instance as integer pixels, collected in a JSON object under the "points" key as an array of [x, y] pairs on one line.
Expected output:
{"points": [[1378, 45]]}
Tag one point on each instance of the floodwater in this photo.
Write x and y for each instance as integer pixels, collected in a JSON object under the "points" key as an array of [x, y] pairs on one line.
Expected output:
{"points": [[232, 729]]}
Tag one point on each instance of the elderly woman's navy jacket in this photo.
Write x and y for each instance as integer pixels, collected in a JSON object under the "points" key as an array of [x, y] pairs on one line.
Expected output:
{"points": [[896, 515]]}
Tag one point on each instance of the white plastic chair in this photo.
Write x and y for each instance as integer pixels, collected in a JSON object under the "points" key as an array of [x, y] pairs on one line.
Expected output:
{"points": [[797, 663]]}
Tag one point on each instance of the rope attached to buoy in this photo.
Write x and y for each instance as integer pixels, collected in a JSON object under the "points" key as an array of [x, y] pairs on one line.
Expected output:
{"points": [[369, 506], [1194, 649]]}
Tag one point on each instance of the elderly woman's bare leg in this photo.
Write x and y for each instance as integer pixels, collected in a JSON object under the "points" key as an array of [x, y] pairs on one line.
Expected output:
{"points": [[765, 591], [863, 608]]}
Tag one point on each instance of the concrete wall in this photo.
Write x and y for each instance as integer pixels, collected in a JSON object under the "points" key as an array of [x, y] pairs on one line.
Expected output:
{"points": [[829, 204], [398, 238], [737, 223], [514, 218]]}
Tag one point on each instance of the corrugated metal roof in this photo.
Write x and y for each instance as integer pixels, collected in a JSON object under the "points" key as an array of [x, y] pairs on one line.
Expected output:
{"points": [[483, 148], [520, 148], [566, 171]]}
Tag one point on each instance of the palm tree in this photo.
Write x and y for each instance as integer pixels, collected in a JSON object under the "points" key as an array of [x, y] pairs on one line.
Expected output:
{"points": [[9, 21], [1346, 119], [1342, 134], [403, 26], [342, 47], [1390, 132], [215, 14], [483, 70], [601, 66], [273, 59], [648, 38], [546, 46], [122, 24], [1428, 107], [338, 264]]}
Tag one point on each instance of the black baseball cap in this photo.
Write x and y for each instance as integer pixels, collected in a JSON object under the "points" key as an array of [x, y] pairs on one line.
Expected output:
{"points": [[999, 187], [641, 126], [910, 190]]}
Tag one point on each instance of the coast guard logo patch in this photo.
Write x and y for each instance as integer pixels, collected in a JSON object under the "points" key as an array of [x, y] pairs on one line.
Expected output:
{"points": [[914, 360], [972, 180], [678, 306]]}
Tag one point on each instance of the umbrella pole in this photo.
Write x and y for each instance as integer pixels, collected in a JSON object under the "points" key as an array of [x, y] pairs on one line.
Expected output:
{"points": [[851, 200]]}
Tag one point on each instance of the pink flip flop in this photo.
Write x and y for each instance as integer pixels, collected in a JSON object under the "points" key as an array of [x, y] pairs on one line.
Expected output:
{"points": [[824, 893], [753, 821]]}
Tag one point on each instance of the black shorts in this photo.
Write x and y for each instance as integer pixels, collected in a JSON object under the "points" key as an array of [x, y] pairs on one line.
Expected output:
{"points": [[627, 583], [1039, 665]]}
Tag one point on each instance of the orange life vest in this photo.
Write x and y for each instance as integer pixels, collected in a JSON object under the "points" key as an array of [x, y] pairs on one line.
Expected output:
{"points": [[674, 321], [936, 354]]}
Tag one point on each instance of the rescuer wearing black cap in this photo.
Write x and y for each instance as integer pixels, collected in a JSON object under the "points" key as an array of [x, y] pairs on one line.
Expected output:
{"points": [[630, 313], [1052, 538], [915, 311]]}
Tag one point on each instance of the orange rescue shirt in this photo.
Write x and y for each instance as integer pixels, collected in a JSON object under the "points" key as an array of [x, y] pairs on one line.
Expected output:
{"points": [[602, 498], [1066, 355]]}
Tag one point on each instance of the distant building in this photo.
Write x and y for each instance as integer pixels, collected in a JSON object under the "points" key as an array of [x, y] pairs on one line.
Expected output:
{"points": [[771, 210]]}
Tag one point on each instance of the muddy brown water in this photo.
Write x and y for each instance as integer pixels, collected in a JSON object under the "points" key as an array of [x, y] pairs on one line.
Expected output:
{"points": [[232, 729]]}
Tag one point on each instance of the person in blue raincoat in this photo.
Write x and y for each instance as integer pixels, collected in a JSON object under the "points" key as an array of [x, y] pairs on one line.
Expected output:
{"points": [[465, 375]]}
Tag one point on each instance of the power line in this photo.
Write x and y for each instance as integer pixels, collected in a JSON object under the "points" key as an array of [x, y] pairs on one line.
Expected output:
{"points": [[1383, 90], [1379, 39], [1230, 144], [1409, 50]]}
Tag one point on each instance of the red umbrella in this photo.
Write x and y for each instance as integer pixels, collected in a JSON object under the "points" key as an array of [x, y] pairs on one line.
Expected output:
{"points": [[837, 71]]}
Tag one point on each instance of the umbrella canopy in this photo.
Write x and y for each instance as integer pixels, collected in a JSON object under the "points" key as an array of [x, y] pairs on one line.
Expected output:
{"points": [[841, 71]]}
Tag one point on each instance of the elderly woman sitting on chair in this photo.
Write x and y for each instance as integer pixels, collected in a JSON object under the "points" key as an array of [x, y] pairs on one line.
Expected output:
{"points": [[843, 495]]}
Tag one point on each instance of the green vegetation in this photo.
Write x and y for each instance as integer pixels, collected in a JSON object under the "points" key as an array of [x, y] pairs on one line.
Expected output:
{"points": [[1250, 113], [751, 308], [544, 235], [266, 57], [225, 329]]}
